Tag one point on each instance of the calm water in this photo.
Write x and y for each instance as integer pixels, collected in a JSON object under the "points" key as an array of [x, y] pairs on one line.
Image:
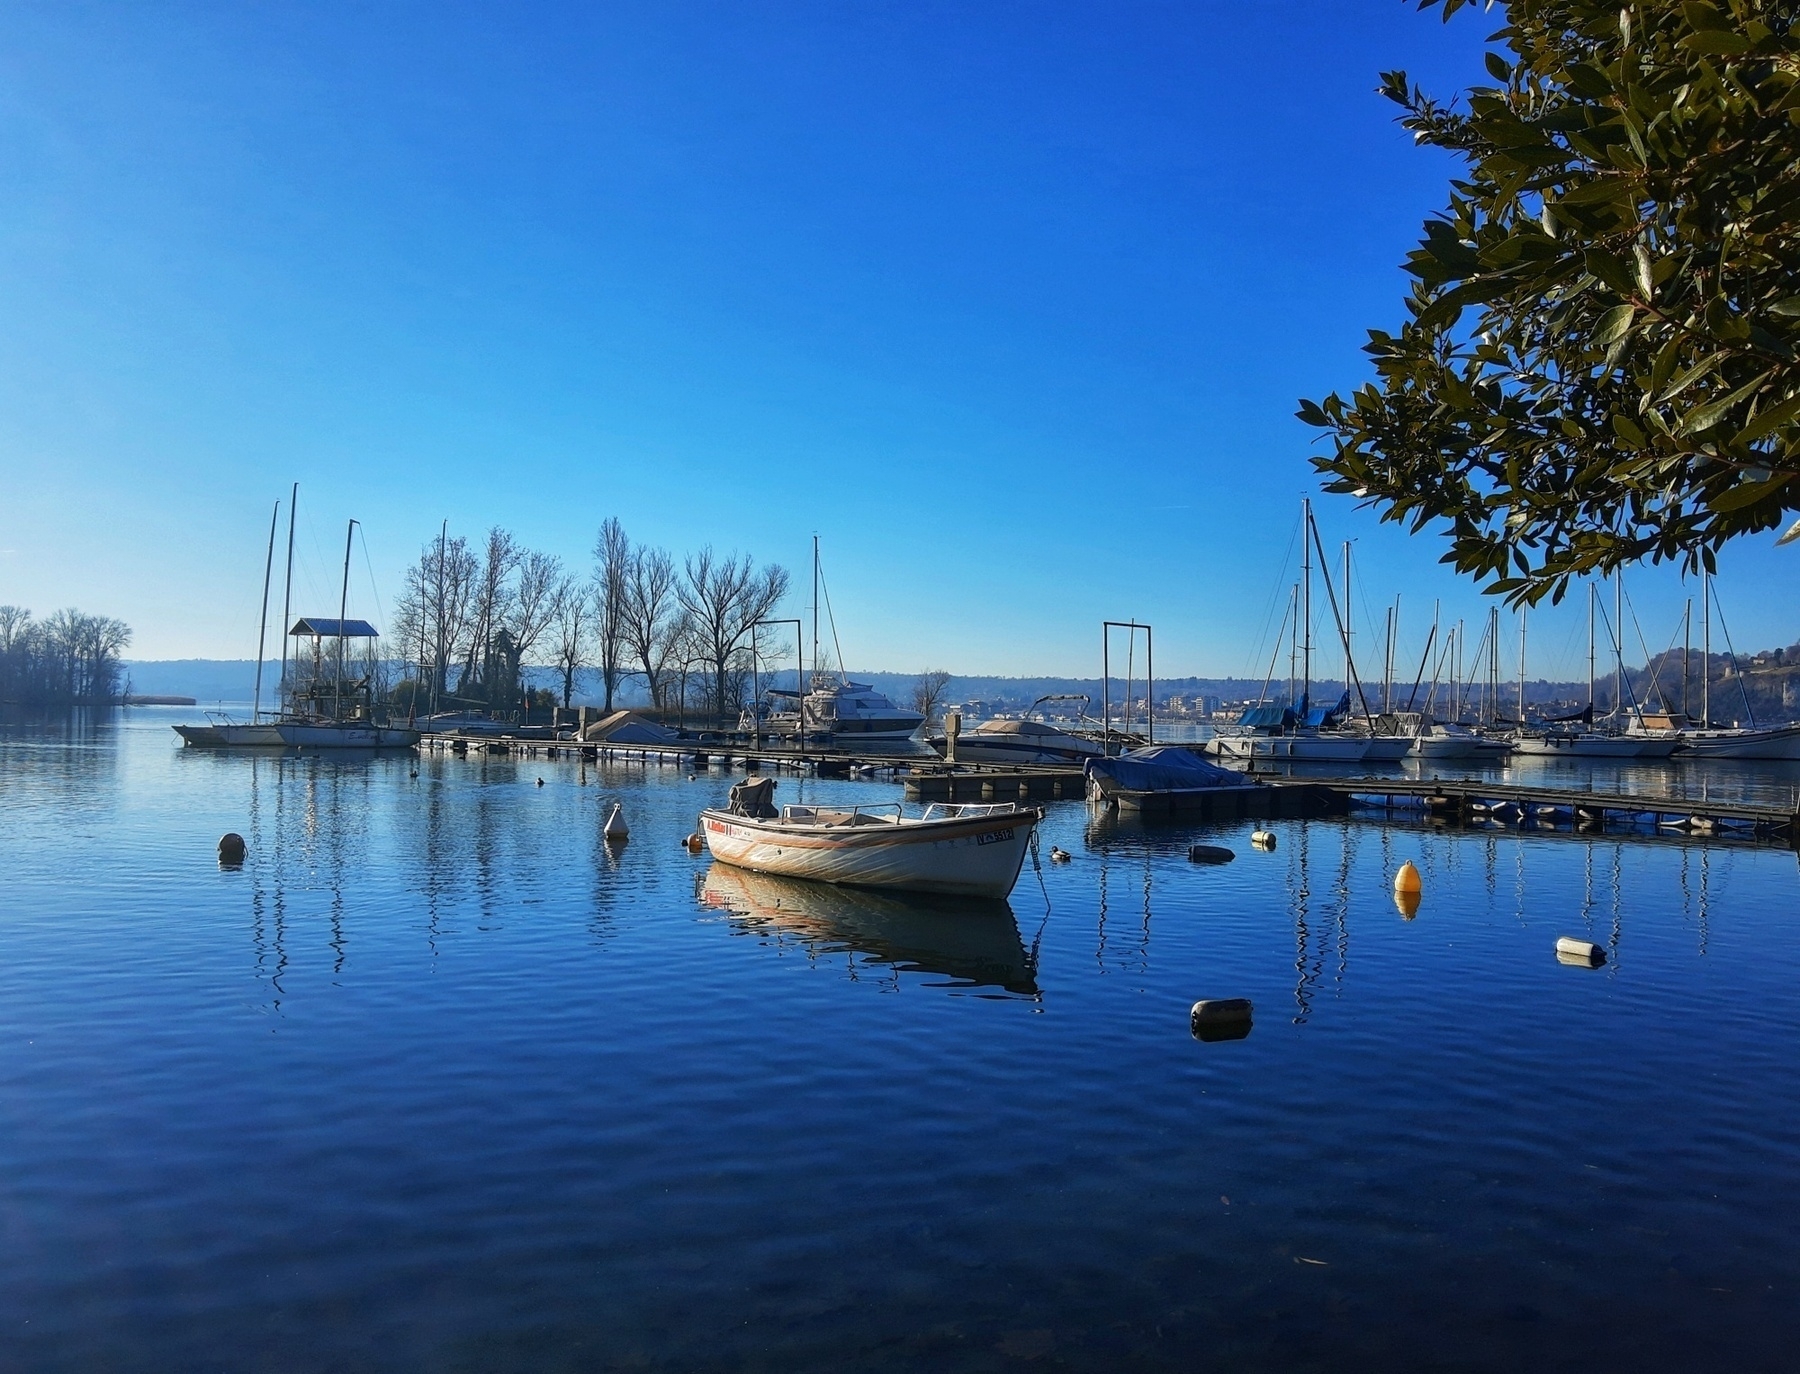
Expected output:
{"points": [[436, 1081]]}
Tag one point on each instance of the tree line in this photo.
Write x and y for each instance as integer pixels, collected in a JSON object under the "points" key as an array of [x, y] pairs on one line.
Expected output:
{"points": [[473, 617], [69, 659]]}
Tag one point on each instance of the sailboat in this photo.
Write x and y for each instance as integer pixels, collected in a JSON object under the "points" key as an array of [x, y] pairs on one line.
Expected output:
{"points": [[1311, 734], [321, 713], [1707, 741], [1581, 740]]}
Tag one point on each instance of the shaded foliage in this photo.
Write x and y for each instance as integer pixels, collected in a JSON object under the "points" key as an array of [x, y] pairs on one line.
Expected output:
{"points": [[1599, 364]]}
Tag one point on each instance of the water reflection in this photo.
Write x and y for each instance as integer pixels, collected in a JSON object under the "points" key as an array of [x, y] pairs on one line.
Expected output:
{"points": [[976, 942]]}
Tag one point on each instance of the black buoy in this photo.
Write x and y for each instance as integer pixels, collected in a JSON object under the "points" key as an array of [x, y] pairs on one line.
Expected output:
{"points": [[1210, 854], [1220, 1018], [231, 849]]}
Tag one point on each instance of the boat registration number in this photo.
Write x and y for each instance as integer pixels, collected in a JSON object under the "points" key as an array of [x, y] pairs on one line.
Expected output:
{"points": [[994, 836]]}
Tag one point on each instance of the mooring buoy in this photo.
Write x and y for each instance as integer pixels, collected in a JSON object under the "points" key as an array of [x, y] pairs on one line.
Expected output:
{"points": [[231, 849], [1407, 879], [1210, 854], [1263, 839], [694, 843], [1220, 1018], [1586, 953], [615, 827]]}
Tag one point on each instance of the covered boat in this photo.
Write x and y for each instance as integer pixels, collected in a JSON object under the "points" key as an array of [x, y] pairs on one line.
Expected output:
{"points": [[1167, 769], [972, 849]]}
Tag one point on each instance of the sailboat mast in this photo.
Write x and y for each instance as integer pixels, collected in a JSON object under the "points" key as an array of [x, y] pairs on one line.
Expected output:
{"points": [[1590, 652], [1522, 610], [1387, 667], [287, 594], [337, 691], [1618, 647], [1706, 650], [1348, 628], [1306, 604], [438, 652], [1687, 638], [803, 686], [262, 621]]}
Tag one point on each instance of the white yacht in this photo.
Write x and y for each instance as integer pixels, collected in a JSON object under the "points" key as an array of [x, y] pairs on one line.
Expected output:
{"points": [[842, 709]]}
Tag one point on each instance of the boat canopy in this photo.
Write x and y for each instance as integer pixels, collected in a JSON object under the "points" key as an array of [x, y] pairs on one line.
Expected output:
{"points": [[1267, 717], [1162, 768], [333, 628]]}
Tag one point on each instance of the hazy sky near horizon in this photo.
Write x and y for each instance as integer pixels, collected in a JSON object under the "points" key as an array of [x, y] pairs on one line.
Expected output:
{"points": [[1009, 303]]}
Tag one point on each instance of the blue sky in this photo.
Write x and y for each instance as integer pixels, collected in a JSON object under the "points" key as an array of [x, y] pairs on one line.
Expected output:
{"points": [[1010, 303]]}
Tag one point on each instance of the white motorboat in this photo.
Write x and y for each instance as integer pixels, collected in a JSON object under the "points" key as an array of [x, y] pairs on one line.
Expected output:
{"points": [[1440, 740], [1020, 741], [974, 849]]}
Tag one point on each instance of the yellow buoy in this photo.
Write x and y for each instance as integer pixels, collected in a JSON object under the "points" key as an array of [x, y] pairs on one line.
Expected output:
{"points": [[1407, 879]]}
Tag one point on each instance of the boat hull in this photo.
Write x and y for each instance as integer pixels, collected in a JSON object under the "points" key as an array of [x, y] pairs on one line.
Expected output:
{"points": [[1290, 748], [1778, 744], [977, 856], [1579, 747], [973, 749], [298, 735]]}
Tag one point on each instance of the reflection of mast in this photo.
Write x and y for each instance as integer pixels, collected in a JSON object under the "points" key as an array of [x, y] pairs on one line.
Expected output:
{"points": [[1303, 977]]}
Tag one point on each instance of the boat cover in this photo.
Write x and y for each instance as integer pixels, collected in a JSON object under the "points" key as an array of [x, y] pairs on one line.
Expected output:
{"points": [[1267, 718], [1322, 717], [1162, 768], [751, 798]]}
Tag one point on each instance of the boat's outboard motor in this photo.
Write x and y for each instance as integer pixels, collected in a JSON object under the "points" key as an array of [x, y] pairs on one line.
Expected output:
{"points": [[751, 798]]}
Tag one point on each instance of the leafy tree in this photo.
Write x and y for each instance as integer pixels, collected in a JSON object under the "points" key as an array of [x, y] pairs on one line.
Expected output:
{"points": [[1600, 361]]}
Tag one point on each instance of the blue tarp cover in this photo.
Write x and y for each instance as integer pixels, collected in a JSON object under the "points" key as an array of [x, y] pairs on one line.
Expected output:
{"points": [[1162, 768], [1266, 718]]}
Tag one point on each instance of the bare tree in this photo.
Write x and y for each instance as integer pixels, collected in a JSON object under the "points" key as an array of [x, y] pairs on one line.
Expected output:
{"points": [[612, 574], [928, 691], [431, 617], [649, 612], [534, 601], [724, 597], [492, 596], [573, 623]]}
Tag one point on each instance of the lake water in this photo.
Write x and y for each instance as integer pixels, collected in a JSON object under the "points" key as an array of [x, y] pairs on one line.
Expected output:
{"points": [[438, 1080]]}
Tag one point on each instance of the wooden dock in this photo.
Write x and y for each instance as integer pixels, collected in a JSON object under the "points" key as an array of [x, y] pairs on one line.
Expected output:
{"points": [[1475, 803], [926, 778]]}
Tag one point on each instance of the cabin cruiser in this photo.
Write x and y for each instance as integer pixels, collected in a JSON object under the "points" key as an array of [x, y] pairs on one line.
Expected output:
{"points": [[842, 710], [1020, 741]]}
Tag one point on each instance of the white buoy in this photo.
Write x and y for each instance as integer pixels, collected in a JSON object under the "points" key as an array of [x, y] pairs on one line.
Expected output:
{"points": [[1572, 951], [615, 827], [1263, 839]]}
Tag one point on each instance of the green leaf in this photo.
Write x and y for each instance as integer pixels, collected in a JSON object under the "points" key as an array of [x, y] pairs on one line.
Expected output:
{"points": [[1614, 325], [1497, 67]]}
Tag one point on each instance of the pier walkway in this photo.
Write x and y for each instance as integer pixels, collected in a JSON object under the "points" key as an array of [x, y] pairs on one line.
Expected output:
{"points": [[925, 777]]}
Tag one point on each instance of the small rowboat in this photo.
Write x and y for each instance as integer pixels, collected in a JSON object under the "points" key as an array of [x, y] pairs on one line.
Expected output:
{"points": [[976, 849]]}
